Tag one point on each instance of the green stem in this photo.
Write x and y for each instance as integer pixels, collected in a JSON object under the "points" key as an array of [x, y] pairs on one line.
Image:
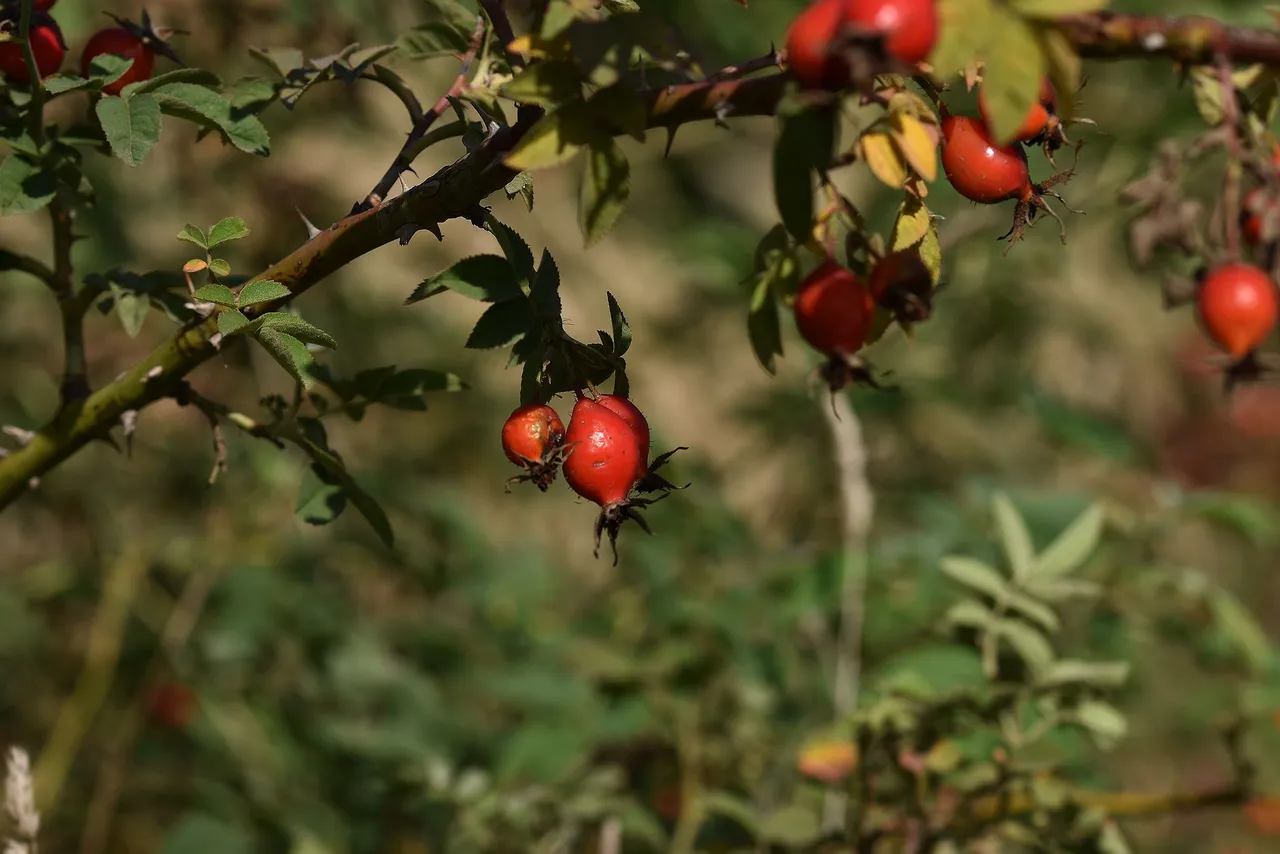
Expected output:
{"points": [[35, 110]]}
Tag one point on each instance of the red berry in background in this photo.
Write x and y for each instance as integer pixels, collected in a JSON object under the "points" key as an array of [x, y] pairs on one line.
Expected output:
{"points": [[171, 704], [1237, 305], [813, 56], [533, 438], [910, 27], [119, 41], [605, 461], [1039, 119], [833, 310], [46, 44]]}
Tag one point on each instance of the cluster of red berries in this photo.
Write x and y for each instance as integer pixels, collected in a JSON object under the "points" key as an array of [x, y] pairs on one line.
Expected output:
{"points": [[1238, 305], [835, 310], [835, 44], [604, 455], [138, 42]]}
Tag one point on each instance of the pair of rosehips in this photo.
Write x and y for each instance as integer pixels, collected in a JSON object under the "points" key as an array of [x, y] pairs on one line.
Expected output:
{"points": [[604, 455], [824, 37], [139, 43], [1237, 305]]}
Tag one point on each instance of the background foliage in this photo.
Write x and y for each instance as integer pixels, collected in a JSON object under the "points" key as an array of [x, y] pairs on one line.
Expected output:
{"points": [[486, 681]]}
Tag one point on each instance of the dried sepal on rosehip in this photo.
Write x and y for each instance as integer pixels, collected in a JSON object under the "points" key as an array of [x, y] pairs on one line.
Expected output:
{"points": [[1041, 126], [650, 480], [902, 284], [834, 310], [533, 438]]}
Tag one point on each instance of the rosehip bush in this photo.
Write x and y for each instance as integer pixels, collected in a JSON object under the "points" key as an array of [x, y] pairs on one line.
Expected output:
{"points": [[840, 633]]}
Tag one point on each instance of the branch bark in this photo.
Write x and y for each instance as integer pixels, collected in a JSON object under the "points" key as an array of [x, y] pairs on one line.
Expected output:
{"points": [[457, 189]]}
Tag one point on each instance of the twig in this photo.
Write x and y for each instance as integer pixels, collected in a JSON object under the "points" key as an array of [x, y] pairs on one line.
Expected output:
{"points": [[404, 159], [26, 264], [1235, 156], [858, 505], [502, 27], [772, 59]]}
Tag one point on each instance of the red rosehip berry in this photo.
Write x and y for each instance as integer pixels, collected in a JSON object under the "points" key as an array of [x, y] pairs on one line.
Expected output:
{"points": [[47, 46], [823, 37], [910, 27], [171, 704], [533, 438], [1038, 122], [1237, 306], [119, 41], [833, 310]]}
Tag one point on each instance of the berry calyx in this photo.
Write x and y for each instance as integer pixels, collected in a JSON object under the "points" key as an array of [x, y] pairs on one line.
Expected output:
{"points": [[987, 173], [1237, 305], [902, 284], [47, 45], [533, 438], [603, 466], [171, 704]]}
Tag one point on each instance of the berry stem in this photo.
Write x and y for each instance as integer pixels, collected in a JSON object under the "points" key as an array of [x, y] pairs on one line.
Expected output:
{"points": [[35, 110], [1235, 156]]}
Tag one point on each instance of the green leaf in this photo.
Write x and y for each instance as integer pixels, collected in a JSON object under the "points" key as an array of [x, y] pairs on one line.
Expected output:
{"points": [[555, 139], [228, 229], [804, 146], [1029, 644], [1069, 551], [488, 278], [192, 234], [131, 308], [516, 250], [1243, 630], [621, 329], [296, 327], [218, 294], [734, 808], [319, 502], [1013, 71], [208, 109], [1053, 9], [330, 469], [545, 84], [546, 288], [108, 68], [263, 290], [605, 190], [1249, 516], [976, 575], [794, 826], [231, 322], [971, 613], [291, 353], [408, 389], [501, 324], [195, 833], [521, 185], [1101, 719], [193, 76], [764, 328], [1033, 610], [220, 266], [1014, 536], [1094, 674], [132, 127]]}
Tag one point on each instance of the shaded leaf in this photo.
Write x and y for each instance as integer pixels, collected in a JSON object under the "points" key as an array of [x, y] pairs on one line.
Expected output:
{"points": [[488, 278], [501, 324], [132, 127], [1013, 71], [217, 294], [289, 352], [605, 190], [231, 322], [804, 146]]}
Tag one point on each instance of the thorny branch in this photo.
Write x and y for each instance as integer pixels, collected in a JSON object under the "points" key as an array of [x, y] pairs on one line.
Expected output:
{"points": [[458, 188]]}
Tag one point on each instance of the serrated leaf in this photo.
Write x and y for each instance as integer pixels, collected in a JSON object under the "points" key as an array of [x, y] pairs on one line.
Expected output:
{"points": [[1062, 66], [488, 278], [1014, 536], [192, 234], [962, 34], [193, 76], [1012, 74], [1071, 548], [545, 293], [555, 139], [880, 152], [804, 146], [918, 146], [975, 575], [521, 185], [24, 187], [220, 266], [621, 329], [232, 321], [289, 352], [605, 190], [1102, 719], [218, 294], [911, 225], [132, 127], [331, 469], [1053, 9], [545, 83], [514, 247], [204, 107], [131, 308], [260, 291], [319, 502], [230, 228], [296, 327], [501, 324]]}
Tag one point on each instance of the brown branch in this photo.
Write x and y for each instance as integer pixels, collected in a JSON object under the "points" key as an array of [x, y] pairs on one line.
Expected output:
{"points": [[457, 189], [404, 159], [772, 59], [502, 28]]}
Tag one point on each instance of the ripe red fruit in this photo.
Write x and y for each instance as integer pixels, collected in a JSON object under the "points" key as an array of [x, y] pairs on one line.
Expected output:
{"points": [[119, 42], [1238, 306], [987, 173], [627, 411], [1040, 119], [605, 461], [171, 704], [533, 438], [46, 44], [833, 310], [813, 57], [910, 27]]}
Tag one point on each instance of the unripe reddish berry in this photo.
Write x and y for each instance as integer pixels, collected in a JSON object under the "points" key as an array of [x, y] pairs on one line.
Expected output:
{"points": [[171, 704], [816, 43], [533, 438], [813, 57], [833, 310], [1237, 305]]}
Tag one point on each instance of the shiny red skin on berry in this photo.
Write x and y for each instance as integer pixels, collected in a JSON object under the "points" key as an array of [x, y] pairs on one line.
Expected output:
{"points": [[530, 431], [834, 310], [627, 411], [120, 42], [46, 44], [910, 27], [604, 458], [809, 44], [1037, 119], [171, 704], [979, 169], [1238, 305]]}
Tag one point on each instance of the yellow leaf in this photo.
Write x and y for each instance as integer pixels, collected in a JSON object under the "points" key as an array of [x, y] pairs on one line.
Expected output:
{"points": [[918, 146], [912, 224], [884, 158]]}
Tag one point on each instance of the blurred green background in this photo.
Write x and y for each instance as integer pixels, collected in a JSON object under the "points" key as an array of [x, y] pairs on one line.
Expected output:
{"points": [[341, 686]]}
